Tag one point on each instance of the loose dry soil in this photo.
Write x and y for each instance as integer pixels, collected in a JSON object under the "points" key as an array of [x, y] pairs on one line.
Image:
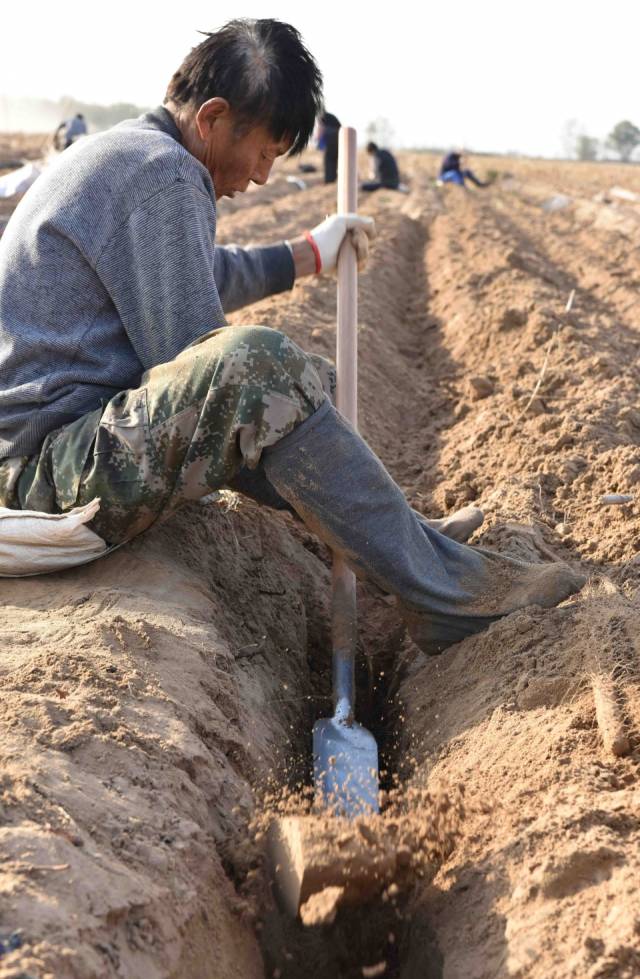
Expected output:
{"points": [[149, 699]]}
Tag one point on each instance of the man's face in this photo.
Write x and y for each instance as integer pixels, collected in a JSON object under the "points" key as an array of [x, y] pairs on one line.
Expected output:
{"points": [[235, 158]]}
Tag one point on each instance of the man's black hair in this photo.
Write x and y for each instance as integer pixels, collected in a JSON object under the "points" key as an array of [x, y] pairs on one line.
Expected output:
{"points": [[263, 70], [372, 147]]}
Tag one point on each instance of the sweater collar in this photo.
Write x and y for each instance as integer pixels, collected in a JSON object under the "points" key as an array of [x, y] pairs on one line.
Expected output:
{"points": [[162, 120]]}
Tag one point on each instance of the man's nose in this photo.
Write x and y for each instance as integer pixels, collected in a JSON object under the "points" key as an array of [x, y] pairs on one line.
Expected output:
{"points": [[261, 173]]}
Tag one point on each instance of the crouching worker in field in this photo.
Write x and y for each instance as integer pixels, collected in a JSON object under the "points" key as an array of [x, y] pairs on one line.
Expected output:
{"points": [[385, 170], [120, 380], [452, 172]]}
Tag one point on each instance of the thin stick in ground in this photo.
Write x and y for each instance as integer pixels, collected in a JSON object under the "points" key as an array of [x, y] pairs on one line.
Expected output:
{"points": [[552, 341]]}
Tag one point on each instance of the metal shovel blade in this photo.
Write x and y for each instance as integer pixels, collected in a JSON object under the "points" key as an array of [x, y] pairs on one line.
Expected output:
{"points": [[345, 768]]}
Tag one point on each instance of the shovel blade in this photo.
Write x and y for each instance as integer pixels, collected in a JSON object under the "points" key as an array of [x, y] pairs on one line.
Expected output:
{"points": [[345, 766]]}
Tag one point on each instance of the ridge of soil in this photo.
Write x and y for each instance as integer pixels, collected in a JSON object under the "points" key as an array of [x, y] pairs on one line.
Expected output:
{"points": [[148, 698]]}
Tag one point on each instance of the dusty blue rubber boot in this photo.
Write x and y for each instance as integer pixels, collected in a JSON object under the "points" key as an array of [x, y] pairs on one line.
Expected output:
{"points": [[446, 590], [459, 525], [254, 484]]}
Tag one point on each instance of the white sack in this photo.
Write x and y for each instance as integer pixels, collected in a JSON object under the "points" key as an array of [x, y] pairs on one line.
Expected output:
{"points": [[19, 180], [34, 543], [556, 203], [622, 194]]}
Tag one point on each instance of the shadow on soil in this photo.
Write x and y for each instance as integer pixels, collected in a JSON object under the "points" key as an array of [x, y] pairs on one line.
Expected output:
{"points": [[360, 940]]}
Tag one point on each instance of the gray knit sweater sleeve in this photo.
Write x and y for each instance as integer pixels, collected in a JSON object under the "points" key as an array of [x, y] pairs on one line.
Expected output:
{"points": [[158, 267], [170, 283], [245, 275]]}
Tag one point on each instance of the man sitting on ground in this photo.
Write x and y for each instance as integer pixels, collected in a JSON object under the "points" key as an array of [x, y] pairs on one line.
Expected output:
{"points": [[451, 171], [386, 172], [120, 380]]}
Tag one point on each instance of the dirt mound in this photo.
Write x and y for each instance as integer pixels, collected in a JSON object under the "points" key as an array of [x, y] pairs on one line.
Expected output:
{"points": [[142, 698], [147, 698]]}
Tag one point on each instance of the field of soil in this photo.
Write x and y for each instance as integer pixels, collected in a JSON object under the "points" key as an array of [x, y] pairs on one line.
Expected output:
{"points": [[149, 699]]}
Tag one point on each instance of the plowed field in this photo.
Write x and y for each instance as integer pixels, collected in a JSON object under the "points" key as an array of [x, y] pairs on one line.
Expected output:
{"points": [[147, 698]]}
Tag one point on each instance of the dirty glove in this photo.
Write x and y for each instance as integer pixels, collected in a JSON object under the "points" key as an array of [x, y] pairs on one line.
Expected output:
{"points": [[326, 239]]}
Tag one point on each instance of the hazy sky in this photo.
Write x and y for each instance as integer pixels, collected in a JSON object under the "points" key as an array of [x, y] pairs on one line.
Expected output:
{"points": [[488, 74]]}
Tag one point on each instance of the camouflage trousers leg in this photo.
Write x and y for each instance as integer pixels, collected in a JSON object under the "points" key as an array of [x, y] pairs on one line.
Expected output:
{"points": [[192, 425]]}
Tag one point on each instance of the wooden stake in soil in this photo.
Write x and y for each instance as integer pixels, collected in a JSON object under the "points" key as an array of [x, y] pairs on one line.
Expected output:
{"points": [[608, 715]]}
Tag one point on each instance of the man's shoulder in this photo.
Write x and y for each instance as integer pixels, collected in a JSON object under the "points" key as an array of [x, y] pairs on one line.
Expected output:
{"points": [[149, 158], [95, 186]]}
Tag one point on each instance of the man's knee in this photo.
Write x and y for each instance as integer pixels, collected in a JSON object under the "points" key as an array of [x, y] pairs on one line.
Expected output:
{"points": [[254, 345], [268, 359], [260, 362], [263, 343], [327, 373]]}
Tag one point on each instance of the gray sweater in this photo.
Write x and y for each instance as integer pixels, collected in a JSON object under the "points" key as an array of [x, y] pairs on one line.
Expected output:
{"points": [[108, 267]]}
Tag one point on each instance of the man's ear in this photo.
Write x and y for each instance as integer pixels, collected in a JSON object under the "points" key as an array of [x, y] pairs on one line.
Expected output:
{"points": [[209, 113]]}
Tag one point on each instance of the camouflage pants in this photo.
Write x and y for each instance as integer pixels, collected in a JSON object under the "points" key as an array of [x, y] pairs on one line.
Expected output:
{"points": [[192, 426]]}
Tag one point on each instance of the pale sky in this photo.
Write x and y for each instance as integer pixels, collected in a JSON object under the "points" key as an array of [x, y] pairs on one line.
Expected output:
{"points": [[489, 74]]}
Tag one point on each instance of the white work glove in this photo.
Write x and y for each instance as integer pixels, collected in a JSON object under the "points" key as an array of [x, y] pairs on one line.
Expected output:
{"points": [[329, 236]]}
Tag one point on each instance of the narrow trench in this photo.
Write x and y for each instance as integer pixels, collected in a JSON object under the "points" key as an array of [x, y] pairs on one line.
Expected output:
{"points": [[379, 932], [367, 935]]}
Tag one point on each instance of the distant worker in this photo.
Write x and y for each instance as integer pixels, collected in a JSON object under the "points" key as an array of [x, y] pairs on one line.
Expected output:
{"points": [[451, 171], [328, 142], [385, 170], [69, 131]]}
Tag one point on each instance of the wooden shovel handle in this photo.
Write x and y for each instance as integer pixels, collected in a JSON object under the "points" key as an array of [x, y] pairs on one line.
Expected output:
{"points": [[344, 616], [347, 339]]}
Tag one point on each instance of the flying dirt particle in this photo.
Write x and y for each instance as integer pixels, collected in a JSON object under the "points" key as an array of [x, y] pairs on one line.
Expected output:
{"points": [[366, 831], [372, 971], [321, 908]]}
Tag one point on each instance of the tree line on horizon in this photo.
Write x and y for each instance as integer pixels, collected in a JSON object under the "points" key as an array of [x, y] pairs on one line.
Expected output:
{"points": [[42, 115], [623, 139]]}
